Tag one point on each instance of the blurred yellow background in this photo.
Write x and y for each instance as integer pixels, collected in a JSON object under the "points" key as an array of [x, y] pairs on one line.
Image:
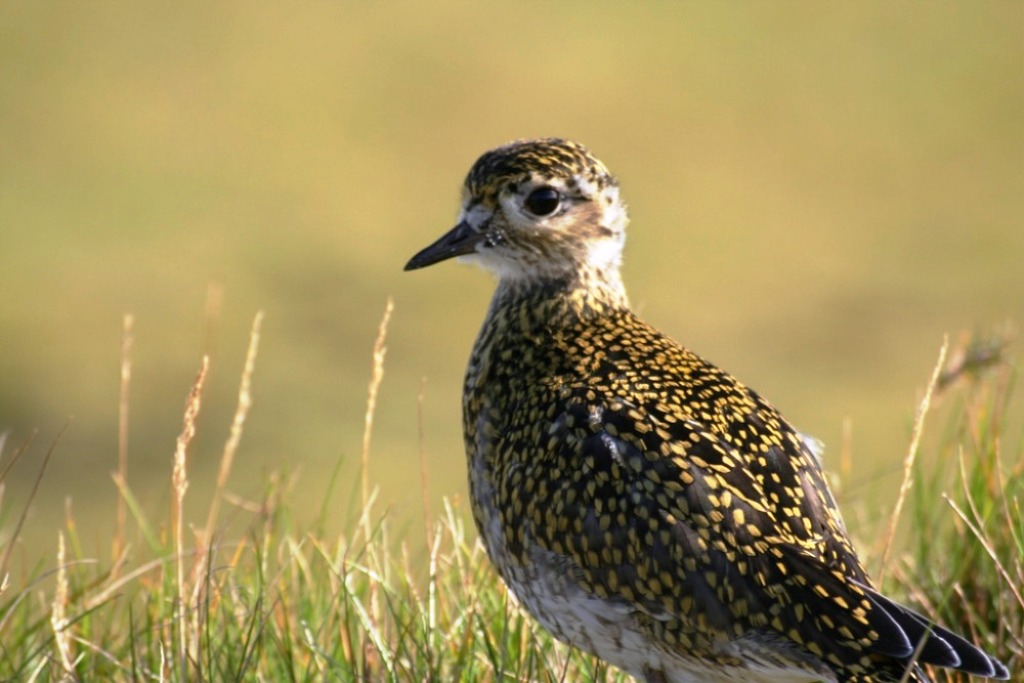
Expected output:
{"points": [[819, 192]]}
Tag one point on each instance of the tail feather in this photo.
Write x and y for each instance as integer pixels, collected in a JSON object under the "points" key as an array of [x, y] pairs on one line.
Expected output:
{"points": [[941, 646]]}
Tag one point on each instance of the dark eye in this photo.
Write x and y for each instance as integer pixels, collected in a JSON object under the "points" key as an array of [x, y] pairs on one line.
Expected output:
{"points": [[543, 201]]}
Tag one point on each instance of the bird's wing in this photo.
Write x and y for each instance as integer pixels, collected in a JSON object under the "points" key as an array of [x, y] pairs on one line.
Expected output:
{"points": [[667, 516]]}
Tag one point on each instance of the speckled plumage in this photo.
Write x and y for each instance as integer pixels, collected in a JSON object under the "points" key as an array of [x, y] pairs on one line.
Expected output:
{"points": [[641, 503]]}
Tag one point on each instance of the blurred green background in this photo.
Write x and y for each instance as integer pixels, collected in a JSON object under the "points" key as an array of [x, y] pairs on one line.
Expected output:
{"points": [[819, 192]]}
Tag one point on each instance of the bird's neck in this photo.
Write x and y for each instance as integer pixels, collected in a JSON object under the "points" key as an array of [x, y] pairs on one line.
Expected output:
{"points": [[531, 304]]}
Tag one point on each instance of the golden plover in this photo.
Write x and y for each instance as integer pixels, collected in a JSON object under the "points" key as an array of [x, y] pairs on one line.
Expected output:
{"points": [[642, 504]]}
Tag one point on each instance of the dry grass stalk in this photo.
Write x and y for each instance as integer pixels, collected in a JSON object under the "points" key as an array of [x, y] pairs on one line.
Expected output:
{"points": [[377, 375], [127, 338], [227, 459], [908, 462], [120, 583], [235, 436], [58, 614], [974, 353], [179, 482], [372, 617]]}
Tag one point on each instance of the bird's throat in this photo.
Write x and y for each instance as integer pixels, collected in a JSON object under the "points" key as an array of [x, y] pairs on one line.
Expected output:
{"points": [[529, 305]]}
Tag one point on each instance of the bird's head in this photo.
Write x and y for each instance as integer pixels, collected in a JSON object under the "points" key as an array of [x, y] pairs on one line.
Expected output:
{"points": [[537, 210]]}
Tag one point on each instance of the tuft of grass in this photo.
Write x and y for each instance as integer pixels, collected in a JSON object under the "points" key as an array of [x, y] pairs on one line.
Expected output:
{"points": [[280, 602], [965, 566]]}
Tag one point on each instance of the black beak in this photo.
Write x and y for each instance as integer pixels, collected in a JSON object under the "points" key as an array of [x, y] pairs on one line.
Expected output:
{"points": [[462, 239]]}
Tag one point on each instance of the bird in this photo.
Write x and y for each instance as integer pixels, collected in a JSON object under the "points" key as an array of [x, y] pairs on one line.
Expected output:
{"points": [[641, 503]]}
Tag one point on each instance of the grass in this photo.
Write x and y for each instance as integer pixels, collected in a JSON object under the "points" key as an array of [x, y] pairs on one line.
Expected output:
{"points": [[277, 602]]}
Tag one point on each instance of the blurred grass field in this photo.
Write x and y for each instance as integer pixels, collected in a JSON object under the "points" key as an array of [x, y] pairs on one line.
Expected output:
{"points": [[819, 192]]}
